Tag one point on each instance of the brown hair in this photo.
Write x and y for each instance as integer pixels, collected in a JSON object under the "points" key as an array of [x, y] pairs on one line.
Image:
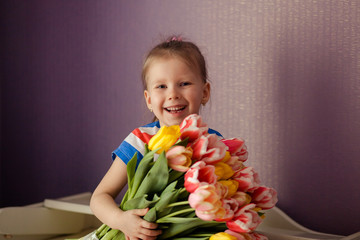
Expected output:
{"points": [[175, 47]]}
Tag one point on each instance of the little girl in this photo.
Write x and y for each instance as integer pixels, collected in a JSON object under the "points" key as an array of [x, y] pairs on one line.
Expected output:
{"points": [[175, 84]]}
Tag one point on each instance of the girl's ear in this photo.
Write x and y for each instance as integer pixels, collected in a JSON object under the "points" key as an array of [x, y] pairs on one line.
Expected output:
{"points": [[206, 93], [147, 99]]}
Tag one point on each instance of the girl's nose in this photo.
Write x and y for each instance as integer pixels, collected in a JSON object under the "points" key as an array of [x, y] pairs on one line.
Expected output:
{"points": [[173, 94]]}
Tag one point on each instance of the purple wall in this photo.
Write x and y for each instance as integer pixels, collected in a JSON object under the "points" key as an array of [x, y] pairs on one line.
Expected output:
{"points": [[284, 76]]}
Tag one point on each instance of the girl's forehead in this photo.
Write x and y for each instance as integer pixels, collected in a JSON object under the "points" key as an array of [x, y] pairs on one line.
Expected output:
{"points": [[163, 59], [151, 62], [166, 58]]}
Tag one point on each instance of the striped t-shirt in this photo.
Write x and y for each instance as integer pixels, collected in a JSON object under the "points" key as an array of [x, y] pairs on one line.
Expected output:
{"points": [[135, 142]]}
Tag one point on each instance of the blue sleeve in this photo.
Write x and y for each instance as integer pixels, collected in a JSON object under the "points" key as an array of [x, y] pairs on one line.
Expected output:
{"points": [[125, 152], [212, 131]]}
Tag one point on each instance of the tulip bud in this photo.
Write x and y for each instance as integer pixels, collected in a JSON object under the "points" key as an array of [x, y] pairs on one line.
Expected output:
{"points": [[192, 127], [222, 236], [265, 197], [179, 158], [164, 138]]}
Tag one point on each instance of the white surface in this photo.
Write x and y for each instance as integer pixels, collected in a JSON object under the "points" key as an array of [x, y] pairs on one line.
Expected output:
{"points": [[71, 217], [77, 203], [68, 215], [279, 226]]}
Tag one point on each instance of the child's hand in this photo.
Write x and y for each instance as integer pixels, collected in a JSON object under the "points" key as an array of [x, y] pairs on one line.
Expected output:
{"points": [[136, 228]]}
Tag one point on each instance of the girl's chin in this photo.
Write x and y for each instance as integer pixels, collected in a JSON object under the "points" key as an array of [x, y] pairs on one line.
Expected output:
{"points": [[173, 121]]}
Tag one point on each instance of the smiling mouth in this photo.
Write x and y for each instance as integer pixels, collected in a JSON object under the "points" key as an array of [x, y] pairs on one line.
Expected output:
{"points": [[175, 109]]}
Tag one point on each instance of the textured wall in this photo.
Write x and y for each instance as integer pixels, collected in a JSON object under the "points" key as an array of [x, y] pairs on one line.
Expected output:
{"points": [[284, 73]]}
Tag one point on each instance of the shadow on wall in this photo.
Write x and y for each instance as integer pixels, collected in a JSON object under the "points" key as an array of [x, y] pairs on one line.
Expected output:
{"points": [[319, 132]]}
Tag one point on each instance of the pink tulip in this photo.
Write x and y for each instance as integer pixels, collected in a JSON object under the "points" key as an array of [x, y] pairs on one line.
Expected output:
{"points": [[230, 206], [245, 220], [206, 202], [264, 197], [221, 190], [209, 149], [200, 173], [257, 236], [235, 163], [241, 198], [192, 127], [243, 154], [179, 158], [247, 178], [236, 147]]}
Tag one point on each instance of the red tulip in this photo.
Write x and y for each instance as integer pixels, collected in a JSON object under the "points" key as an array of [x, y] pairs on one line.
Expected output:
{"points": [[247, 178], [192, 127], [209, 149], [237, 147], [245, 220], [200, 173], [264, 197]]}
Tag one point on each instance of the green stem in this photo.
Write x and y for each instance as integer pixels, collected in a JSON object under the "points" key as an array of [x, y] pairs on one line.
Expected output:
{"points": [[100, 229], [110, 234], [201, 234], [103, 232], [177, 204], [176, 213], [183, 190]]}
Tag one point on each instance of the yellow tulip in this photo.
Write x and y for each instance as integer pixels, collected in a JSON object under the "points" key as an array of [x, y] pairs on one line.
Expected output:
{"points": [[222, 236], [223, 171], [231, 185], [227, 157], [165, 138]]}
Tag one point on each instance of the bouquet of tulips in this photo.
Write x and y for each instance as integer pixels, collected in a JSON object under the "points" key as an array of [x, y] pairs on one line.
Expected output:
{"points": [[196, 186]]}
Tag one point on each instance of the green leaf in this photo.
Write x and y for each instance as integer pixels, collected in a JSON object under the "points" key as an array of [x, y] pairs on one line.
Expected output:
{"points": [[140, 202], [168, 196], [175, 175], [183, 143], [130, 169], [175, 229], [146, 149], [150, 216], [124, 199], [141, 171], [260, 213], [156, 179]]}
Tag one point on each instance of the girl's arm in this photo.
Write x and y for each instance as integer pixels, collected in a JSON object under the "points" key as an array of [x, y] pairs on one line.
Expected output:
{"points": [[105, 208]]}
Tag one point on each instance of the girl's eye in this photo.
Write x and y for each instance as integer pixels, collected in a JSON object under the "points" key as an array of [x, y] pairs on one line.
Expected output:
{"points": [[161, 86], [185, 83]]}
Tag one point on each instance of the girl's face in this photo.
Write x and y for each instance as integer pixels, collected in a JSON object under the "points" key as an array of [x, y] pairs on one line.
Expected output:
{"points": [[174, 90]]}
